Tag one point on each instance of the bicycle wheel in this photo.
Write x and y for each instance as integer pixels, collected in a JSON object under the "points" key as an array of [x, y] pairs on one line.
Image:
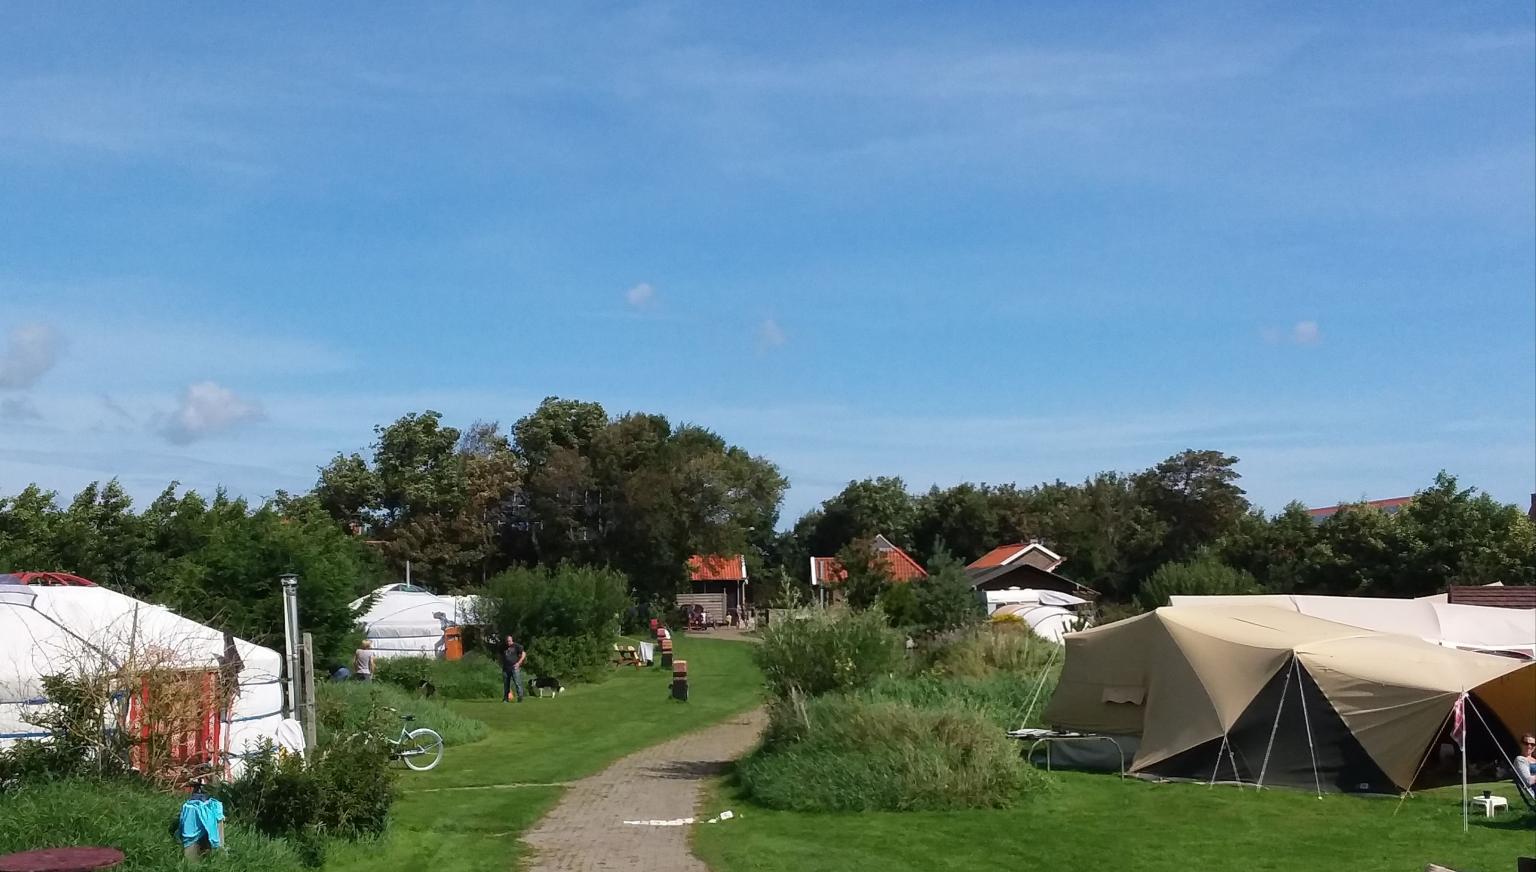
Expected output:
{"points": [[422, 750]]}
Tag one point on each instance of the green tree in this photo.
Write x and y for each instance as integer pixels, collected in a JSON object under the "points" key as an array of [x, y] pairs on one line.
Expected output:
{"points": [[1202, 576], [1196, 497], [866, 574], [945, 599], [964, 518]]}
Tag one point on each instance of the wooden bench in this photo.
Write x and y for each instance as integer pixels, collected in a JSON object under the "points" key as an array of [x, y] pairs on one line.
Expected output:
{"points": [[627, 655]]}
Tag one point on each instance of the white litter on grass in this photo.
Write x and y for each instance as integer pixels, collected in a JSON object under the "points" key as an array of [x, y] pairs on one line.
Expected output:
{"points": [[675, 822], [723, 816]]}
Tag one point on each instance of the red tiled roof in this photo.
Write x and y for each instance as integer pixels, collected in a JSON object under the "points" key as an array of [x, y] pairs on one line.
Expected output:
{"points": [[1388, 505], [717, 567], [901, 566], [1005, 554], [996, 557], [1510, 597]]}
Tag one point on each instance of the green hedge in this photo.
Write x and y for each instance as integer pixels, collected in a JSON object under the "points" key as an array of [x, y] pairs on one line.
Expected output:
{"points": [[474, 677], [126, 816], [351, 703]]}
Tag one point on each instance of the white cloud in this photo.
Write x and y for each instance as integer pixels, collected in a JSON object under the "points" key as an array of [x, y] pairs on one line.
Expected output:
{"points": [[31, 350], [1305, 333], [206, 409], [640, 295], [770, 334], [19, 410]]}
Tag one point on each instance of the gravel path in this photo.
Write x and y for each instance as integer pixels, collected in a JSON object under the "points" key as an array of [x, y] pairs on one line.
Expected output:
{"points": [[658, 787]]}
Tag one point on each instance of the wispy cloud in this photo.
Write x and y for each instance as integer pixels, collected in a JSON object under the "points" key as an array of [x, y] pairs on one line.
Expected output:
{"points": [[30, 351], [1300, 333], [770, 334], [19, 410], [640, 296], [206, 409]]}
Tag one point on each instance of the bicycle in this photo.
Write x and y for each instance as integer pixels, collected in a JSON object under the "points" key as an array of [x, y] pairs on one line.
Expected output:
{"points": [[419, 749]]}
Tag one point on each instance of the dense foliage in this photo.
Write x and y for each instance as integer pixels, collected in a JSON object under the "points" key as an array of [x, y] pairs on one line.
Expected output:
{"points": [[476, 676], [1116, 530], [822, 651], [566, 617], [570, 484], [928, 734], [1204, 576], [351, 707]]}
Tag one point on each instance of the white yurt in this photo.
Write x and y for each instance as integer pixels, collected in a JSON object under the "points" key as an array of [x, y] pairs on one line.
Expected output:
{"points": [[56, 624], [406, 620], [1051, 614]]}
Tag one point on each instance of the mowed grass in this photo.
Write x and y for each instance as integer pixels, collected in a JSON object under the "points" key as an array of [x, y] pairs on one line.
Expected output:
{"points": [[1092, 822], [469, 814]]}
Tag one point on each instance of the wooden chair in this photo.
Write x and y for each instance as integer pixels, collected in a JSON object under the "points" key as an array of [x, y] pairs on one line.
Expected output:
{"points": [[626, 655]]}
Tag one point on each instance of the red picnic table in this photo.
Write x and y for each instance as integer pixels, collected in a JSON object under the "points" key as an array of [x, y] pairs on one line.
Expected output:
{"points": [[62, 860]]}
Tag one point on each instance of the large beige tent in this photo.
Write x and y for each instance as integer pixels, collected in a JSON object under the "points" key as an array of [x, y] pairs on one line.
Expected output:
{"points": [[1264, 695]]}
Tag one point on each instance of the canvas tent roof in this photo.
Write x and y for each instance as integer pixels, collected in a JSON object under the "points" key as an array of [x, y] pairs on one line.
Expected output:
{"points": [[50, 630], [1473, 628], [1184, 679]]}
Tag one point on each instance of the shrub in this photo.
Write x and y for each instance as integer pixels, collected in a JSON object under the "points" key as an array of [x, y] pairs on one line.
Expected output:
{"points": [[1000, 647], [1203, 576], [131, 817], [1002, 699], [343, 790], [822, 651], [566, 617], [837, 753], [899, 602], [945, 599], [357, 706], [474, 677]]}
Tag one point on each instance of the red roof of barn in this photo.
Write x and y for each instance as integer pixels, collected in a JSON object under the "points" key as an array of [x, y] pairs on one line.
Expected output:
{"points": [[898, 562], [717, 567], [1003, 555], [1497, 596]]}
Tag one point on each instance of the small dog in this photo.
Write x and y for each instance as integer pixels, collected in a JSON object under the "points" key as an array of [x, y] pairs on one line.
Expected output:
{"points": [[549, 683]]}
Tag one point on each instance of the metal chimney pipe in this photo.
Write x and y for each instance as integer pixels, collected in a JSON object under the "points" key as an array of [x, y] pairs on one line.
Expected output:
{"points": [[290, 583]]}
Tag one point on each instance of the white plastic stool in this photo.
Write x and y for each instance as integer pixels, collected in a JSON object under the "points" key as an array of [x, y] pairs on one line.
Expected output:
{"points": [[1489, 804]]}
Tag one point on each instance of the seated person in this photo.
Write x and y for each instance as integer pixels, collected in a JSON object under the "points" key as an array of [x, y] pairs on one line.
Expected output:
{"points": [[1525, 764]]}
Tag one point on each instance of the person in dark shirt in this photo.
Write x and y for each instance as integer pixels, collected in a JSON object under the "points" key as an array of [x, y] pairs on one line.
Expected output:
{"points": [[512, 670]]}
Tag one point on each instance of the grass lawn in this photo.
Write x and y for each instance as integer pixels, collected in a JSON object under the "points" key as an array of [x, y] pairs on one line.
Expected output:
{"points": [[1099, 822], [462, 816]]}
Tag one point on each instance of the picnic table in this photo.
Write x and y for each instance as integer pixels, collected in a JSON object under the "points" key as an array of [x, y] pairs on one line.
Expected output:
{"points": [[84, 859]]}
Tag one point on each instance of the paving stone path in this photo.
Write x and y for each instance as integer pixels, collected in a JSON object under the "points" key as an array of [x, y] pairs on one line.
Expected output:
{"points": [[586, 830]]}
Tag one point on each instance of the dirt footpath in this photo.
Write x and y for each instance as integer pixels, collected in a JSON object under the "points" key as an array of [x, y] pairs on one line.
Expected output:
{"points": [[656, 789]]}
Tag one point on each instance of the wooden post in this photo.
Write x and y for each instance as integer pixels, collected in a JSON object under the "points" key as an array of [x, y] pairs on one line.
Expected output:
{"points": [[308, 683]]}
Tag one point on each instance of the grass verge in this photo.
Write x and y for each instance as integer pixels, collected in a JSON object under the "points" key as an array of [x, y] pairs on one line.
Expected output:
{"points": [[1101, 822], [469, 813]]}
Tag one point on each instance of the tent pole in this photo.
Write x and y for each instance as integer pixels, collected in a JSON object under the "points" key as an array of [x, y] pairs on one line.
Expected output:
{"points": [[1305, 719], [1217, 768], [1465, 823], [1275, 728], [1029, 711]]}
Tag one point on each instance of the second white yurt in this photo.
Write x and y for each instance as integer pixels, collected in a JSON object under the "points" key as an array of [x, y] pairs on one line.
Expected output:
{"points": [[406, 620]]}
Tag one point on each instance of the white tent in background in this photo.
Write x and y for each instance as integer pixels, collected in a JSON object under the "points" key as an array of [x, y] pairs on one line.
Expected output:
{"points": [[47, 630], [408, 621], [1051, 614], [1449, 625]]}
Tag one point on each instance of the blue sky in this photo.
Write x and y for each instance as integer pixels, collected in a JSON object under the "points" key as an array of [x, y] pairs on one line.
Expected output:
{"points": [[994, 242]]}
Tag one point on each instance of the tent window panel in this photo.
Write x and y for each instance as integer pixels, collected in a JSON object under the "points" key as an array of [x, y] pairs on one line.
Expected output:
{"points": [[1125, 695]]}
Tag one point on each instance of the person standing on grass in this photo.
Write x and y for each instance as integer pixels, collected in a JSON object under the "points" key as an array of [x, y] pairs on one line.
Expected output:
{"points": [[1525, 764], [362, 662], [512, 670]]}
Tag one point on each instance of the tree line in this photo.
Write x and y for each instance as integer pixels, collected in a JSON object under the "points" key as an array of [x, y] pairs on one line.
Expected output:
{"points": [[572, 483]]}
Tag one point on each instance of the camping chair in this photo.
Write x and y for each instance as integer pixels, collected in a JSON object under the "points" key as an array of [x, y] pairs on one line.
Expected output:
{"points": [[1526, 791]]}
